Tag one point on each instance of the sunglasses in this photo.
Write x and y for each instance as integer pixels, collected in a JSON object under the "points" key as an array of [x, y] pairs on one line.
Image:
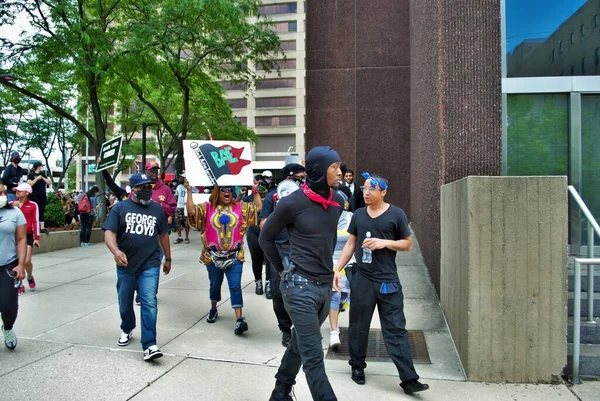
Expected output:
{"points": [[226, 189], [145, 186]]}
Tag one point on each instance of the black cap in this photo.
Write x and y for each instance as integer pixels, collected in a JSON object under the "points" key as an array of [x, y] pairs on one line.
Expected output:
{"points": [[291, 169], [37, 164]]}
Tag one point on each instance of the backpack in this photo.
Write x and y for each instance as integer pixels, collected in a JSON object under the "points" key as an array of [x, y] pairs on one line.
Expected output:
{"points": [[84, 205]]}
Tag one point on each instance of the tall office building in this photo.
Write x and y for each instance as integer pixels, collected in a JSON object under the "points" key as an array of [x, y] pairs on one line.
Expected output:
{"points": [[276, 108]]}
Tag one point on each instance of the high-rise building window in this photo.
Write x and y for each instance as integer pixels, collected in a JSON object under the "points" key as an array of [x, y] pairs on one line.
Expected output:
{"points": [[285, 26], [243, 120], [268, 102], [274, 9], [289, 64], [287, 45], [275, 121], [238, 103], [233, 86], [277, 83], [532, 30]]}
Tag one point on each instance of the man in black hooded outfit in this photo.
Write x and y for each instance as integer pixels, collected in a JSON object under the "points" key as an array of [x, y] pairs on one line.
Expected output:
{"points": [[311, 216]]}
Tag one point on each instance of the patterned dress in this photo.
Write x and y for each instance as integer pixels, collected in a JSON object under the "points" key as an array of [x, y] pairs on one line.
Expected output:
{"points": [[223, 227]]}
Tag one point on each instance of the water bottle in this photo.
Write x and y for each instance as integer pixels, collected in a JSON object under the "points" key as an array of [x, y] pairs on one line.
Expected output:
{"points": [[367, 256]]}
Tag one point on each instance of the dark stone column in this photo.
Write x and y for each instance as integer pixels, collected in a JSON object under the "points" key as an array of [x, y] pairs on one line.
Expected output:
{"points": [[358, 86], [456, 118]]}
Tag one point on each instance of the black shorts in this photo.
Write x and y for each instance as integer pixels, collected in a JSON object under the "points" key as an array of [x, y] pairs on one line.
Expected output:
{"points": [[30, 239]]}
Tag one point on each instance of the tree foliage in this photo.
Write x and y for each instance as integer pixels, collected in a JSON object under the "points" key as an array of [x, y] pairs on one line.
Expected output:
{"points": [[82, 57]]}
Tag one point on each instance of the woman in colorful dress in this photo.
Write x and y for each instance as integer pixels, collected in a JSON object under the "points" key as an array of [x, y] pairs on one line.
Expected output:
{"points": [[222, 223]]}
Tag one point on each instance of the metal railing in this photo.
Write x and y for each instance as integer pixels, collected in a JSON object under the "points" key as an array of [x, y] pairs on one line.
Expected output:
{"points": [[577, 312], [590, 261]]}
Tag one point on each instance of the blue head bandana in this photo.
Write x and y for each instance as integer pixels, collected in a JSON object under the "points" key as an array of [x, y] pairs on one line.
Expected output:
{"points": [[375, 181]]}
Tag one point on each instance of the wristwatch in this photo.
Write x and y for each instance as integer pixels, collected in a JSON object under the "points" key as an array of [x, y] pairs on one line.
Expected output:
{"points": [[168, 259]]}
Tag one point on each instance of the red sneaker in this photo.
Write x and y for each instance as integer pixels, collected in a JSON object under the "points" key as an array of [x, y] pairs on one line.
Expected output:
{"points": [[21, 289], [31, 282]]}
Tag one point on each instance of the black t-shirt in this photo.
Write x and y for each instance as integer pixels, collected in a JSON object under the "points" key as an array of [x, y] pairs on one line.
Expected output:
{"points": [[12, 177], [137, 228], [39, 188], [268, 205], [391, 225], [312, 231]]}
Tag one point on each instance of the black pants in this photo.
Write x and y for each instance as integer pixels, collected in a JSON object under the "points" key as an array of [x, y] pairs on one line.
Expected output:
{"points": [[257, 254], [86, 227], [284, 321], [308, 306], [365, 295], [42, 208], [9, 299]]}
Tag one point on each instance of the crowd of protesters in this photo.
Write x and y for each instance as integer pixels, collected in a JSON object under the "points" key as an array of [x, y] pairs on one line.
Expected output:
{"points": [[323, 243]]}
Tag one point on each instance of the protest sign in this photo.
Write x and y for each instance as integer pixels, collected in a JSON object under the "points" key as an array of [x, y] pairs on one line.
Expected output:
{"points": [[109, 153], [223, 163]]}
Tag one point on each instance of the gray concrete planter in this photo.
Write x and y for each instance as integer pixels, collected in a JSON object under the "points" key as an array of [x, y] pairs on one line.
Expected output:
{"points": [[57, 240]]}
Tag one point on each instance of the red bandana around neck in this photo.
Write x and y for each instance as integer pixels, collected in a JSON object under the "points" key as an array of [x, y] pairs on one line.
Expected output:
{"points": [[313, 196]]}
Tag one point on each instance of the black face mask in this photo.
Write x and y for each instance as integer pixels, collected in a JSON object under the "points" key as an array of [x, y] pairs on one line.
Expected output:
{"points": [[144, 196], [17, 160]]}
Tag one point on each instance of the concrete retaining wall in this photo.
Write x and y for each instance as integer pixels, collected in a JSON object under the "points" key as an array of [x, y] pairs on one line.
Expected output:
{"points": [[504, 275], [57, 240]]}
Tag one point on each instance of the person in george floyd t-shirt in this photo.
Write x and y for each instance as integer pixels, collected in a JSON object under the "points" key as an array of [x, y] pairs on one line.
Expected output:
{"points": [[383, 229], [135, 231]]}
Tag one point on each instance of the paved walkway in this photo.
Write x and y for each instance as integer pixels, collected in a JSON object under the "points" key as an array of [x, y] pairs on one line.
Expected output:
{"points": [[69, 325]]}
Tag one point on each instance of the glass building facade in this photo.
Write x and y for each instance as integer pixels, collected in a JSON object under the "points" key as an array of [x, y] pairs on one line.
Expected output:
{"points": [[551, 97]]}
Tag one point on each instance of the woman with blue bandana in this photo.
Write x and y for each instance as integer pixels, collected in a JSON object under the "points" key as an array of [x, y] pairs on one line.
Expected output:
{"points": [[383, 229]]}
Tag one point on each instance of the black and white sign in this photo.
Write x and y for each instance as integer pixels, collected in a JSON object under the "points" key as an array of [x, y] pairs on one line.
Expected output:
{"points": [[109, 153]]}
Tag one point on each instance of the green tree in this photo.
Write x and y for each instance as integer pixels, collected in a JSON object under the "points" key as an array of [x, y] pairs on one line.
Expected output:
{"points": [[213, 40]]}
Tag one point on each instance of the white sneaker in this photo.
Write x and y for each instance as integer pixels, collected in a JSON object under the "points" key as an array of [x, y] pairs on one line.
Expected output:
{"points": [[124, 338], [334, 339], [152, 353], [10, 339]]}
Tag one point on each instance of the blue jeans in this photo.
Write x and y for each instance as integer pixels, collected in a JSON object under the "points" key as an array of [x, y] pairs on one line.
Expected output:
{"points": [[234, 280], [307, 303], [147, 282], [11, 197]]}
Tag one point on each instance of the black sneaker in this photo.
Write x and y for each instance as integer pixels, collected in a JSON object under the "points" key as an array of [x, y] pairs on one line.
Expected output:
{"points": [[44, 231], [358, 375], [413, 386], [240, 326], [212, 316], [268, 293], [152, 353], [259, 287], [281, 392], [137, 299], [286, 338]]}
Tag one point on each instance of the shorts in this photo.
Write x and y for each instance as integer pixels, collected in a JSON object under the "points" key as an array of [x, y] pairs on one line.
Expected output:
{"points": [[180, 218], [339, 298], [29, 239]]}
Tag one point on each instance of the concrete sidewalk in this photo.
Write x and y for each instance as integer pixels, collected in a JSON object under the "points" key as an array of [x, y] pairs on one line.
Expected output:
{"points": [[69, 325]]}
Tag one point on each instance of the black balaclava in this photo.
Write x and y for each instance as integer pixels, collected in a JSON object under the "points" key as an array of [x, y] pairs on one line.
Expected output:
{"points": [[318, 161]]}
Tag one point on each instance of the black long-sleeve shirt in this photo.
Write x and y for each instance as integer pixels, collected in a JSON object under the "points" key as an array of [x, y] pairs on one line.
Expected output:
{"points": [[119, 192], [312, 231]]}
